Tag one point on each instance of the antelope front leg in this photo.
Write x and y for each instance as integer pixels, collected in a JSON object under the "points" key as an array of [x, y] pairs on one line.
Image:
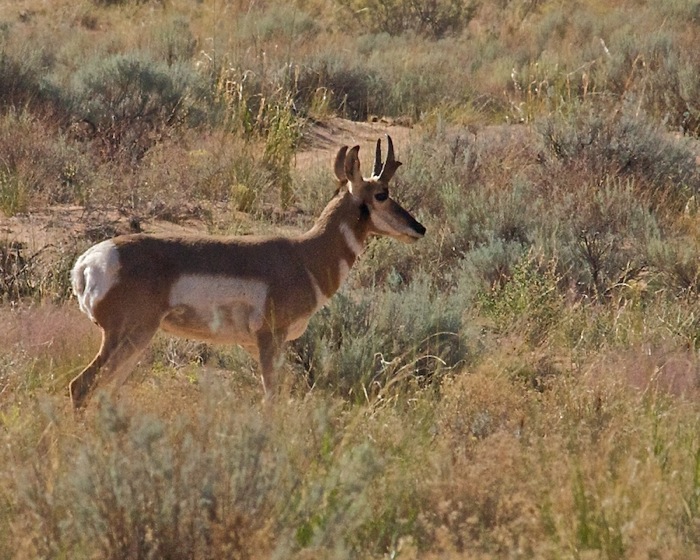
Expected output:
{"points": [[270, 346]]}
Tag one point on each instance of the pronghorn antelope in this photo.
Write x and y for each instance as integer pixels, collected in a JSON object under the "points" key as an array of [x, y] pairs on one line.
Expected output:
{"points": [[258, 292]]}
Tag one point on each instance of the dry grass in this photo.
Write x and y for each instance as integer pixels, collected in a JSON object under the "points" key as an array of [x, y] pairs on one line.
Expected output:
{"points": [[487, 466], [42, 349]]}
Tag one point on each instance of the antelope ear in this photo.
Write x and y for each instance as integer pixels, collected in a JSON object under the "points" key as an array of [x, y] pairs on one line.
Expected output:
{"points": [[339, 165], [352, 168]]}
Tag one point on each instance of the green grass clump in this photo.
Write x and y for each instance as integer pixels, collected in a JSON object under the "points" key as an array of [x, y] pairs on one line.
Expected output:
{"points": [[130, 100], [382, 341], [14, 195]]}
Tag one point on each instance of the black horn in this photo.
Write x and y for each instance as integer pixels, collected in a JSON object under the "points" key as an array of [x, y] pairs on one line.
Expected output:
{"points": [[390, 150], [378, 165], [391, 165]]}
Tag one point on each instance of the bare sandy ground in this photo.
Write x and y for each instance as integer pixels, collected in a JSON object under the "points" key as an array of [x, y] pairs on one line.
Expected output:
{"points": [[56, 225]]}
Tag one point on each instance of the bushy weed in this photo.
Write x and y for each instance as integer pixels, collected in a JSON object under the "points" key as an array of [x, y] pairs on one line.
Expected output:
{"points": [[391, 335], [221, 483], [22, 82], [288, 23], [35, 275], [434, 19], [36, 170], [130, 100], [528, 302], [622, 144]]}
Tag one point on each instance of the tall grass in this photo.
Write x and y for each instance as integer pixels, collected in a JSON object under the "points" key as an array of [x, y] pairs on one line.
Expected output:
{"points": [[486, 465]]}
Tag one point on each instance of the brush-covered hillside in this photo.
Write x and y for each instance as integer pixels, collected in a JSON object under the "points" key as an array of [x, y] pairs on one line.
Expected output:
{"points": [[524, 382]]}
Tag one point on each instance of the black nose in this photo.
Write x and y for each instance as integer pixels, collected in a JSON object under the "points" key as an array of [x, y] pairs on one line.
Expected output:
{"points": [[420, 228]]}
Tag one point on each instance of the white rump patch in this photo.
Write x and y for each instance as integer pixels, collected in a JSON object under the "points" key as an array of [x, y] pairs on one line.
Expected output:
{"points": [[351, 239], [94, 274], [233, 304]]}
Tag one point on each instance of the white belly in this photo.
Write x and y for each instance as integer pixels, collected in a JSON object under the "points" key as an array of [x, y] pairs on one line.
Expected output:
{"points": [[217, 308]]}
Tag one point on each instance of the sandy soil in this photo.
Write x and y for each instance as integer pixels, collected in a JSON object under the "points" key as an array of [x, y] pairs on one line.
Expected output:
{"points": [[56, 225]]}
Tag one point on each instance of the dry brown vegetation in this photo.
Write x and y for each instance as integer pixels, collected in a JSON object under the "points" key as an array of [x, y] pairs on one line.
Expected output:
{"points": [[522, 383]]}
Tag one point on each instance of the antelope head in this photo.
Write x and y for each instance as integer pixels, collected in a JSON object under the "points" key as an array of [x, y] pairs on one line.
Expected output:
{"points": [[386, 216]]}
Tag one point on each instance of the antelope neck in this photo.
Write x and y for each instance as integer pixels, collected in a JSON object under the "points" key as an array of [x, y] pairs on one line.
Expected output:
{"points": [[335, 241]]}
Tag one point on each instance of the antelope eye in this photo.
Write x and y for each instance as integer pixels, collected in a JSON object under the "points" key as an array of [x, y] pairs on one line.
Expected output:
{"points": [[382, 196]]}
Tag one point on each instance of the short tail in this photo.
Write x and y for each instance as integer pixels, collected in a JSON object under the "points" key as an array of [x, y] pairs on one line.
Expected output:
{"points": [[93, 275], [79, 281]]}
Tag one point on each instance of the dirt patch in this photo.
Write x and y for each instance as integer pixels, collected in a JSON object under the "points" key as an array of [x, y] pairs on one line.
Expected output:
{"points": [[322, 140], [56, 225], [63, 224]]}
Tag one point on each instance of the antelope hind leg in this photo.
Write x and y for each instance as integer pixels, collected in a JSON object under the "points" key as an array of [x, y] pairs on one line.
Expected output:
{"points": [[115, 360]]}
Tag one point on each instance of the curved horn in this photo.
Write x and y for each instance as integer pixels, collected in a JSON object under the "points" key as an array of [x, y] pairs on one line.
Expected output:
{"points": [[390, 150], [378, 165], [391, 164], [339, 165]]}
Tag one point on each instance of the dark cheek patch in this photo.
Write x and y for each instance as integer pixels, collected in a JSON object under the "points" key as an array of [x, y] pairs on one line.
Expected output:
{"points": [[364, 212]]}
